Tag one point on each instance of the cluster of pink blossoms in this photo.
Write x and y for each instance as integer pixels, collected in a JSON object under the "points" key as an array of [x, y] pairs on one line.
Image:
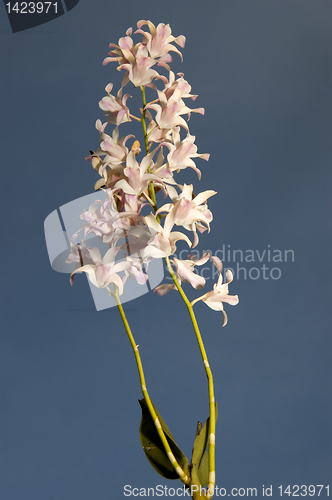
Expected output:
{"points": [[131, 184]]}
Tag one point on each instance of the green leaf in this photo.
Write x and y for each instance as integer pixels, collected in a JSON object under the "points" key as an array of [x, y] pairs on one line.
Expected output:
{"points": [[203, 469], [153, 447], [200, 455]]}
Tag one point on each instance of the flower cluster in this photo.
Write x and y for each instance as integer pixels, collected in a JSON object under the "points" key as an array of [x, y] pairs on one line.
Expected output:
{"points": [[131, 183]]}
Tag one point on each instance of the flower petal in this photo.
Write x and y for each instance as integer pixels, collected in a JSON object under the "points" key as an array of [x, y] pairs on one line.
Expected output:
{"points": [[163, 289]]}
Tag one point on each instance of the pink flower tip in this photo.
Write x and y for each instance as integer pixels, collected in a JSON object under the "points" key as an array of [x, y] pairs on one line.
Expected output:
{"points": [[181, 40]]}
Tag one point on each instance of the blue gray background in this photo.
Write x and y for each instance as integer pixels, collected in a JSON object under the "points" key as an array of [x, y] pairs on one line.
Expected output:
{"points": [[69, 386]]}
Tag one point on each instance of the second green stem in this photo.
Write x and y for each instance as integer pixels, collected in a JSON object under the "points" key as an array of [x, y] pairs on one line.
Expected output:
{"points": [[212, 425]]}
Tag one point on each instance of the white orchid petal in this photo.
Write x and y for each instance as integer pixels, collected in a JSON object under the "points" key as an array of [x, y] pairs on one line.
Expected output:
{"points": [[233, 300], [229, 276], [176, 235], [89, 269], [187, 191], [203, 259], [114, 278], [217, 262], [202, 197], [169, 222], [110, 255], [152, 222], [216, 306], [94, 253], [225, 318]]}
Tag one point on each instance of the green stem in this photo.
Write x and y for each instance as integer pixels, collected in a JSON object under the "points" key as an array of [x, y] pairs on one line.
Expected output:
{"points": [[212, 426], [152, 193], [146, 142], [183, 476], [208, 371]]}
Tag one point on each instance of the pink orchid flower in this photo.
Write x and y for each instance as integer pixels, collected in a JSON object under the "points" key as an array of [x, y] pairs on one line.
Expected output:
{"points": [[156, 134], [180, 83], [115, 107], [184, 269], [114, 151], [104, 270], [181, 153], [134, 59], [78, 252], [139, 72], [123, 53], [105, 221], [219, 294], [135, 271], [113, 148], [159, 41], [136, 179], [191, 213], [169, 111], [163, 243]]}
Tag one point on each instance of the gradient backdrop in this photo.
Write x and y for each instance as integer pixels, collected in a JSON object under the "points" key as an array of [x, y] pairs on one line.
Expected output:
{"points": [[69, 386]]}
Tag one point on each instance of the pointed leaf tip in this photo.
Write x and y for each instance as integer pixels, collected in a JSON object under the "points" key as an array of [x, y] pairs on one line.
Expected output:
{"points": [[200, 455]]}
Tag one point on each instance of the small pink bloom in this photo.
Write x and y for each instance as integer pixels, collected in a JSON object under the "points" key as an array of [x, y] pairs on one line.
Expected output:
{"points": [[163, 243], [181, 153], [135, 271], [169, 111], [219, 294], [136, 179], [159, 41], [179, 84], [115, 107], [191, 213], [139, 72], [104, 271], [184, 269]]}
